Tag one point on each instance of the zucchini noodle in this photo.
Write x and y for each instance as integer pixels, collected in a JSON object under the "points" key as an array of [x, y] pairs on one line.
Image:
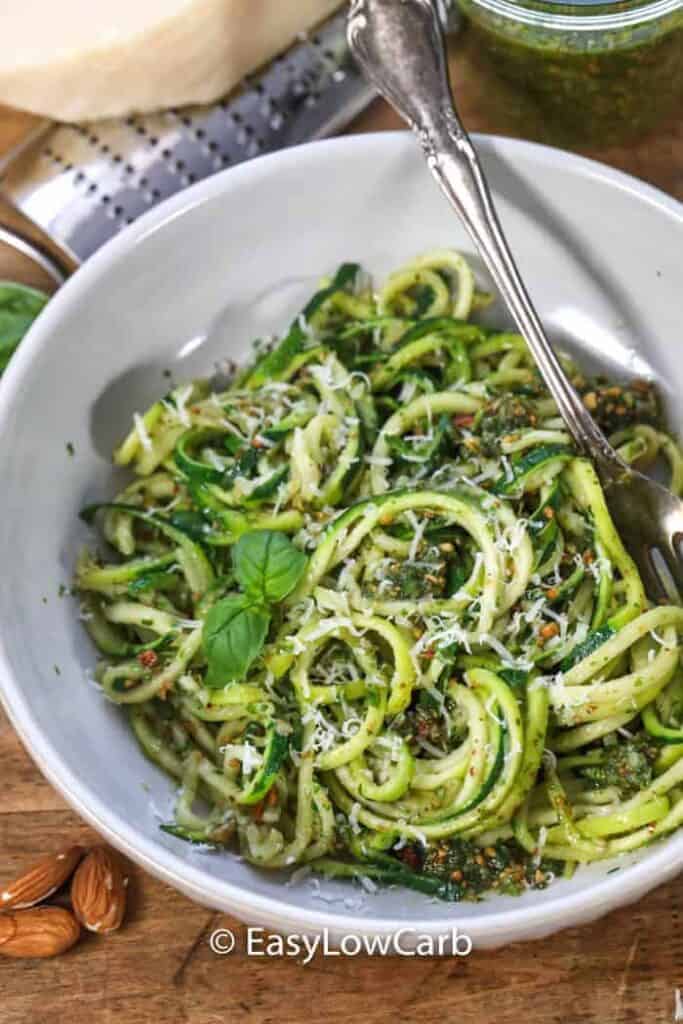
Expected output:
{"points": [[466, 688]]}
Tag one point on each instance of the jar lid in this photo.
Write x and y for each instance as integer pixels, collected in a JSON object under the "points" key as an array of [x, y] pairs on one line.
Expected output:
{"points": [[589, 3], [582, 14]]}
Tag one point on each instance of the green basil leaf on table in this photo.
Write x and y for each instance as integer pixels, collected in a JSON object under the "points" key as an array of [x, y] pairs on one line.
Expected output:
{"points": [[267, 565], [19, 307], [234, 632]]}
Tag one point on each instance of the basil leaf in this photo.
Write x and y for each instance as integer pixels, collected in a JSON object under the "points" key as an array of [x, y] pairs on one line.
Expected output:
{"points": [[233, 635], [19, 306], [274, 363], [267, 565]]}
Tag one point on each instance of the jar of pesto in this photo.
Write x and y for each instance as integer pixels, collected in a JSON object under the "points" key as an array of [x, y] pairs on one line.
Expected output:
{"points": [[581, 73]]}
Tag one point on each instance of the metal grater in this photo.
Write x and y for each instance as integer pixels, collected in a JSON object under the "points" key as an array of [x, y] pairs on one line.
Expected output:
{"points": [[69, 188]]}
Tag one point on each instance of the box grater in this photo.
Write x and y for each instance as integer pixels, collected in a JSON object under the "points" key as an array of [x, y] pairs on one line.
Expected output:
{"points": [[69, 188]]}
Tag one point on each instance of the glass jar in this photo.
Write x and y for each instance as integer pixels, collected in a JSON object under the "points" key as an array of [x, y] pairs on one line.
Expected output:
{"points": [[584, 73]]}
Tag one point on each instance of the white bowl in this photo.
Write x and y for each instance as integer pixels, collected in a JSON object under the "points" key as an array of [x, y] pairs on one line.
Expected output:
{"points": [[196, 280]]}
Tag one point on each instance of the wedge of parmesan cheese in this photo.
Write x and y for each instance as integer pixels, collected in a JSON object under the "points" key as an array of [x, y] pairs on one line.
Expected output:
{"points": [[78, 60]]}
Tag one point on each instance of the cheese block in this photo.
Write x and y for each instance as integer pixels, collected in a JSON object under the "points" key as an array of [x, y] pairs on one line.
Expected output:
{"points": [[76, 60]]}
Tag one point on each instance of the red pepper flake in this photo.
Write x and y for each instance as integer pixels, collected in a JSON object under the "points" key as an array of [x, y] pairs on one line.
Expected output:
{"points": [[410, 857], [429, 653], [464, 420], [148, 658]]}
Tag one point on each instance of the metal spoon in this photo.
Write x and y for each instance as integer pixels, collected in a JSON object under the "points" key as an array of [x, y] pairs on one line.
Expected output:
{"points": [[399, 45]]}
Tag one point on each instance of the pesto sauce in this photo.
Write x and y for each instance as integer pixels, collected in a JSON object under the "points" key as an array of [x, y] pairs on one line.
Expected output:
{"points": [[627, 766], [577, 87], [473, 872]]}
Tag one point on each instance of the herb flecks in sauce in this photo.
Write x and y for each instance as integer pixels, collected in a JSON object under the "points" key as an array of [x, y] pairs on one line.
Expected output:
{"points": [[576, 87], [473, 870]]}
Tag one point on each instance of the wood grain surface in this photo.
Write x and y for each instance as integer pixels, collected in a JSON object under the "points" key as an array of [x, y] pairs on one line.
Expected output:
{"points": [[160, 969]]}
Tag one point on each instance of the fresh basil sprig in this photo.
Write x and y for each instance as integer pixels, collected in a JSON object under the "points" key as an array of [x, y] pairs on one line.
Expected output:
{"points": [[234, 634], [19, 306], [268, 567]]}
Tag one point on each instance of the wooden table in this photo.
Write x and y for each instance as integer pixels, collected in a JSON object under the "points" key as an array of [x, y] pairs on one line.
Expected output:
{"points": [[160, 970]]}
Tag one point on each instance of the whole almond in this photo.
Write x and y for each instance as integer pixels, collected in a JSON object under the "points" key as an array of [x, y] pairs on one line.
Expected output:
{"points": [[41, 880], [98, 891], [40, 932]]}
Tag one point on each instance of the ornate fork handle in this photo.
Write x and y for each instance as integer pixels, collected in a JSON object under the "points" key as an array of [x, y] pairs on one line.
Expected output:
{"points": [[399, 44]]}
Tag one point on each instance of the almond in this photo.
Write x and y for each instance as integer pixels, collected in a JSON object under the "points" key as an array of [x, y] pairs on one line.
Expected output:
{"points": [[98, 891], [40, 932], [41, 880]]}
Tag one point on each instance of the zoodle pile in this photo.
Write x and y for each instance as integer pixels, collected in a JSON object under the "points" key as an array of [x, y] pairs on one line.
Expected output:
{"points": [[367, 606]]}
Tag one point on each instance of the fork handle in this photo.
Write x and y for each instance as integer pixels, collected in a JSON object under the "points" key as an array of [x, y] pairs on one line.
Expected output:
{"points": [[400, 46]]}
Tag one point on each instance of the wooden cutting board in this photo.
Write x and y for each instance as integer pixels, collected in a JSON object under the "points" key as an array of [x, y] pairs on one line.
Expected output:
{"points": [[159, 969]]}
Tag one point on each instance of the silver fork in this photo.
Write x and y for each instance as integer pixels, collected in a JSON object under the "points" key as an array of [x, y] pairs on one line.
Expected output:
{"points": [[399, 45]]}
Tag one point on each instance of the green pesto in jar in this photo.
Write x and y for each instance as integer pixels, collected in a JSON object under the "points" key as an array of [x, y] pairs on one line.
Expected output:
{"points": [[581, 73]]}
